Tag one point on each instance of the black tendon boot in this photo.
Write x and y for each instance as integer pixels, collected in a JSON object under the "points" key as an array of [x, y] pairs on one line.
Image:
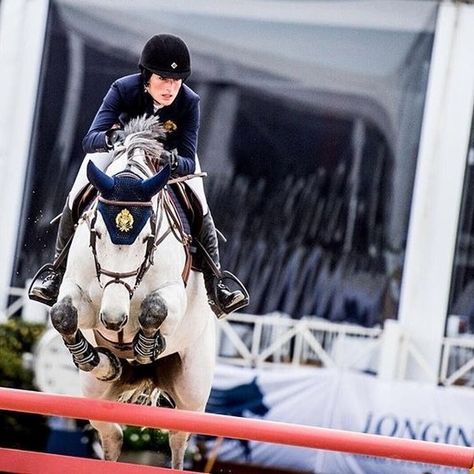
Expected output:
{"points": [[221, 299], [46, 283]]}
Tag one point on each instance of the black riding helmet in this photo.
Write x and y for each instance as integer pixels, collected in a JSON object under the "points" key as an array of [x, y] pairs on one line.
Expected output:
{"points": [[166, 55]]}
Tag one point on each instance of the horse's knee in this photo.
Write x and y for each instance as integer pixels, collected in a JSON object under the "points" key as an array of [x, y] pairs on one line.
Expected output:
{"points": [[153, 312], [64, 317]]}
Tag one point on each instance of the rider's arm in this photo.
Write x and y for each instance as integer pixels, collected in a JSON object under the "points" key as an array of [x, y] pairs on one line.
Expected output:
{"points": [[188, 138], [107, 116], [187, 146]]}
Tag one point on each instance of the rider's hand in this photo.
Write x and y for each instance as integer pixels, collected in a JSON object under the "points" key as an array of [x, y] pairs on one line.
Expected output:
{"points": [[114, 137], [169, 158]]}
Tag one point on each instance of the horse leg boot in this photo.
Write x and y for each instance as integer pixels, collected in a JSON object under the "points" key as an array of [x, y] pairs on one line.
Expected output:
{"points": [[149, 343], [45, 287], [220, 297], [87, 358]]}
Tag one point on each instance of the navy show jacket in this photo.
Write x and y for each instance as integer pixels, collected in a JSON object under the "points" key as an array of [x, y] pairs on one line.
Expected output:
{"points": [[126, 99]]}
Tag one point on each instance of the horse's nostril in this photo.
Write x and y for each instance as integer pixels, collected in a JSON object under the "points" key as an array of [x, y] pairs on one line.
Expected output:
{"points": [[113, 324]]}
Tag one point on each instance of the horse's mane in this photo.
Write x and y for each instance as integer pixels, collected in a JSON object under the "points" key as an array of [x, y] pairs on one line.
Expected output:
{"points": [[144, 133]]}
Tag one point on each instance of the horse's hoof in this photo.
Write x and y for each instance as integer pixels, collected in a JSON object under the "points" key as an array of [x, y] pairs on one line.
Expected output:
{"points": [[64, 317], [153, 312], [115, 366]]}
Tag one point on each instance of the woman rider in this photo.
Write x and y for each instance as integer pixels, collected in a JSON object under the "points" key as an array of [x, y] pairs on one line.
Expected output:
{"points": [[157, 89]]}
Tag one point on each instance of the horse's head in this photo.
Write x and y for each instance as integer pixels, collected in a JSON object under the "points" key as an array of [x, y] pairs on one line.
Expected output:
{"points": [[123, 231]]}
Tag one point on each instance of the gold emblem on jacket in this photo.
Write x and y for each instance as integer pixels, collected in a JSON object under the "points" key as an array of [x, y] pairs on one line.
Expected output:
{"points": [[169, 126], [124, 220]]}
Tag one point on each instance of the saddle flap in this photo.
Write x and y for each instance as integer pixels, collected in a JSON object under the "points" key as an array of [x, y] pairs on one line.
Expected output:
{"points": [[83, 201]]}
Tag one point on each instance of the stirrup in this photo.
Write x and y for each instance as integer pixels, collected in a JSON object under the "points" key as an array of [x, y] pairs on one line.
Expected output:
{"points": [[53, 267], [222, 310], [35, 296]]}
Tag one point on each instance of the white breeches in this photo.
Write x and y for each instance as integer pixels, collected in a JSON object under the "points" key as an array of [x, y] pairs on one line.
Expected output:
{"points": [[103, 160], [197, 187]]}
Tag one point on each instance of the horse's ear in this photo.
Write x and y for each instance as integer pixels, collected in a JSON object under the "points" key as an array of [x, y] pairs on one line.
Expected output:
{"points": [[153, 185], [102, 182]]}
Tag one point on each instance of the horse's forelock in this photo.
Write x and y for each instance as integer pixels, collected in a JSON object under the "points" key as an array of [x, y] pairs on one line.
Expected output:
{"points": [[149, 126], [144, 133]]}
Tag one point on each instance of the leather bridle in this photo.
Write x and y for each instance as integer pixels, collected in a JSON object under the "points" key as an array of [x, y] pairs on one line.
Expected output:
{"points": [[153, 240], [164, 207]]}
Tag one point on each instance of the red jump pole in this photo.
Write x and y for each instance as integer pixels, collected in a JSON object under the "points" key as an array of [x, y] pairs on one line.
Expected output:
{"points": [[14, 460], [239, 428]]}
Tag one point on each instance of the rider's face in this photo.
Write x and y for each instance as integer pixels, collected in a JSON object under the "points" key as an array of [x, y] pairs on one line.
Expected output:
{"points": [[163, 89]]}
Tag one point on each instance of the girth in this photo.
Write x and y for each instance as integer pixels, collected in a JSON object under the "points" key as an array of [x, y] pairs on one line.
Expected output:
{"points": [[121, 349]]}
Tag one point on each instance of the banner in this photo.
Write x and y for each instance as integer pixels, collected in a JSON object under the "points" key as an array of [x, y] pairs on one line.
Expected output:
{"points": [[344, 400]]}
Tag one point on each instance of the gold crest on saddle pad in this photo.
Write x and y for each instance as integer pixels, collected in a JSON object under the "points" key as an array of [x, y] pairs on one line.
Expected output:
{"points": [[169, 126], [124, 220]]}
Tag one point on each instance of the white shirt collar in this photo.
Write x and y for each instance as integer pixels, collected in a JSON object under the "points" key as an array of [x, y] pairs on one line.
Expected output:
{"points": [[156, 107]]}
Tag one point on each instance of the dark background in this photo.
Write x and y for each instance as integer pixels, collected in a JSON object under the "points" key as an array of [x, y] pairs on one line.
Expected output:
{"points": [[302, 194]]}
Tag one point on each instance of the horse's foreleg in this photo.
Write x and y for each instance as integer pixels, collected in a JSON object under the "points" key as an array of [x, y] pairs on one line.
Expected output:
{"points": [[149, 343], [105, 365], [110, 434], [64, 318], [111, 438], [178, 441]]}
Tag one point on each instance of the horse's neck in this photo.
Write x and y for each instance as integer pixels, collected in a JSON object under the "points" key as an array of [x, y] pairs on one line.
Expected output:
{"points": [[140, 163], [137, 162]]}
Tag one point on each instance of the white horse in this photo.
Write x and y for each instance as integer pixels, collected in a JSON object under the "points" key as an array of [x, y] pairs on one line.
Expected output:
{"points": [[131, 323]]}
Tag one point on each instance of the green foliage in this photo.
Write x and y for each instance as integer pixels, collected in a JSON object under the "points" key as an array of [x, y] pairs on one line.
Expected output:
{"points": [[19, 430], [138, 439], [17, 338]]}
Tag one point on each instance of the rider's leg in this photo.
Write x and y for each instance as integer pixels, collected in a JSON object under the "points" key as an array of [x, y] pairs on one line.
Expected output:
{"points": [[46, 286], [215, 287]]}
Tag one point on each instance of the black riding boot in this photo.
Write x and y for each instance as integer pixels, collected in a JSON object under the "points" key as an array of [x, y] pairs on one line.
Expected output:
{"points": [[221, 299], [45, 287]]}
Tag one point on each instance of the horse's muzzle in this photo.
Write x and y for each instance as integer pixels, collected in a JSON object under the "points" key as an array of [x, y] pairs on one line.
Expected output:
{"points": [[113, 323]]}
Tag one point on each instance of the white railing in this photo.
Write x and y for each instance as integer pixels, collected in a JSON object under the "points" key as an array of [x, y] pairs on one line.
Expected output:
{"points": [[30, 310], [16, 305], [457, 363], [256, 341]]}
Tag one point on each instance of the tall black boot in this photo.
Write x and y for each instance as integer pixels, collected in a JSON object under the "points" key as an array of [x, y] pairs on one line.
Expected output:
{"points": [[46, 283], [221, 299]]}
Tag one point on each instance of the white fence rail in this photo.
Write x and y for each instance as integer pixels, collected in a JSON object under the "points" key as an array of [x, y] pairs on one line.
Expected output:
{"points": [[251, 340], [275, 338], [457, 363], [18, 303]]}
